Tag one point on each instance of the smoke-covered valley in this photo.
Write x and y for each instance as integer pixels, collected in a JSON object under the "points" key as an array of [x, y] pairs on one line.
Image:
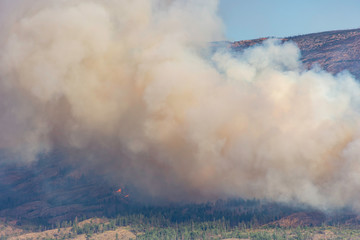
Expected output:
{"points": [[134, 91]]}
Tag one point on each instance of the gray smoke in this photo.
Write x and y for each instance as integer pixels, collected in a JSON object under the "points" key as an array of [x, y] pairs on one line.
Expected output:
{"points": [[129, 86]]}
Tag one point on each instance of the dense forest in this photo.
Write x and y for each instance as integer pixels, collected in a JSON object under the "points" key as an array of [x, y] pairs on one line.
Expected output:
{"points": [[237, 218]]}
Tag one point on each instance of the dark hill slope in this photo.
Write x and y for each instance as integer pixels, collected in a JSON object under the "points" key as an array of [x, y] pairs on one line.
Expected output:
{"points": [[334, 51]]}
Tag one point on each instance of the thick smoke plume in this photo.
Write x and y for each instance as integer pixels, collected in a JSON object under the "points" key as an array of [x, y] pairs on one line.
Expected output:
{"points": [[130, 86]]}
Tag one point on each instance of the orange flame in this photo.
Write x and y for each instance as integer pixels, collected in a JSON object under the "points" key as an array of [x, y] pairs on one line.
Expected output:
{"points": [[126, 195], [119, 190]]}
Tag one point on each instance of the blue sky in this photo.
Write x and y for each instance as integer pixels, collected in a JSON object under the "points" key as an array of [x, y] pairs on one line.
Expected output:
{"points": [[249, 19]]}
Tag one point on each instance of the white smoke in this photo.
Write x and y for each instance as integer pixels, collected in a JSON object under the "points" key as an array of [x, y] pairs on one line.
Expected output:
{"points": [[129, 86]]}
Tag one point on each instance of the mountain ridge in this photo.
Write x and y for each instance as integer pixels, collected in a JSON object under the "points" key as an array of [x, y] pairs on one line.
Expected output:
{"points": [[334, 51]]}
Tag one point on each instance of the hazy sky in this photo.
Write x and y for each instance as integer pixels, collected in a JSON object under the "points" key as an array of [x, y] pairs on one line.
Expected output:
{"points": [[249, 19]]}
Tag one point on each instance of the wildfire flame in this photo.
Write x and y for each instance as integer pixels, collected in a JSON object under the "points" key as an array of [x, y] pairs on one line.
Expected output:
{"points": [[121, 194]]}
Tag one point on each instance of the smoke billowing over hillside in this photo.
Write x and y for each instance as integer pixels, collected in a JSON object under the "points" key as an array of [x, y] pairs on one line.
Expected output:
{"points": [[129, 87]]}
